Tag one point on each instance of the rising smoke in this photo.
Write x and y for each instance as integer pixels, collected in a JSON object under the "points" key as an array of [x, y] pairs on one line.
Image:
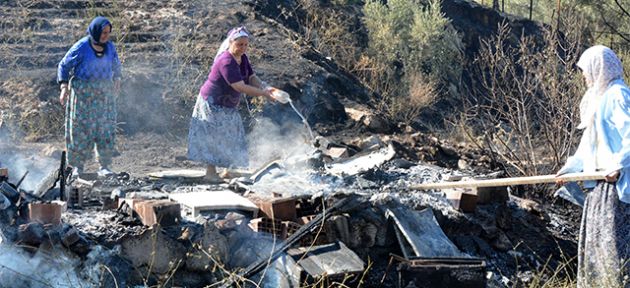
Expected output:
{"points": [[53, 268], [20, 158]]}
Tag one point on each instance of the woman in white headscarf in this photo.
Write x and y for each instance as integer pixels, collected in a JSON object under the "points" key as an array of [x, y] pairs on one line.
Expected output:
{"points": [[604, 240], [216, 136]]}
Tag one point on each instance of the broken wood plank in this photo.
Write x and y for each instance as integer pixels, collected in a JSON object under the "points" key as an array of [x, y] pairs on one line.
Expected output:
{"points": [[551, 178]]}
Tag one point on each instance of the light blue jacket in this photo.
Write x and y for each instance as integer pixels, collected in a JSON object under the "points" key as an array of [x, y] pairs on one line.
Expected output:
{"points": [[612, 120]]}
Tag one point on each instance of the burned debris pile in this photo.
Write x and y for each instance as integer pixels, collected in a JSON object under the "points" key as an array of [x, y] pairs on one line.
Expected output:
{"points": [[332, 217]]}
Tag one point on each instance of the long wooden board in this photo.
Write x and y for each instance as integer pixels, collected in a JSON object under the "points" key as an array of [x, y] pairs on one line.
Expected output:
{"points": [[551, 178]]}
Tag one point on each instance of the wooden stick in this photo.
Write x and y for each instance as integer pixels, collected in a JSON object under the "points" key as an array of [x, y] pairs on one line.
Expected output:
{"points": [[551, 178]]}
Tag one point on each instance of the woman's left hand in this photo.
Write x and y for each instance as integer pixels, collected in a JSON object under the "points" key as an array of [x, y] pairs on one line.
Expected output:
{"points": [[612, 176]]}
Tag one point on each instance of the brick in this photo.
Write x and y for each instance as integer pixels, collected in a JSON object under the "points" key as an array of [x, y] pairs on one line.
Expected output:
{"points": [[109, 203], [267, 225], [305, 207], [70, 237], [75, 196], [31, 233], [461, 199], [7, 190], [280, 209], [492, 194], [337, 152], [289, 228], [45, 213], [162, 212], [4, 173], [131, 202], [305, 219]]}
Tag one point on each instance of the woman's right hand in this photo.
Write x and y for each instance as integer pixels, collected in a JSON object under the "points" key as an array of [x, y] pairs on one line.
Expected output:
{"points": [[65, 91]]}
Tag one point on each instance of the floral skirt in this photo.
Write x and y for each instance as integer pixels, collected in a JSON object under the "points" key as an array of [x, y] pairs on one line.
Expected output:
{"points": [[90, 122], [216, 136], [604, 241]]}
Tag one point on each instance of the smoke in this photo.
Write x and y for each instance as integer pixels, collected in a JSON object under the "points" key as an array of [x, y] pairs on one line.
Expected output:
{"points": [[268, 142], [289, 143], [53, 268], [19, 159]]}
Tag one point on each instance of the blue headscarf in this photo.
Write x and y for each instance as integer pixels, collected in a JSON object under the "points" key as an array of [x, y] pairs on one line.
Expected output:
{"points": [[96, 28]]}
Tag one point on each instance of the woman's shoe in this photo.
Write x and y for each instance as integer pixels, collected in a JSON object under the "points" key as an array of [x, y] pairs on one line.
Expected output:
{"points": [[76, 172], [105, 172]]}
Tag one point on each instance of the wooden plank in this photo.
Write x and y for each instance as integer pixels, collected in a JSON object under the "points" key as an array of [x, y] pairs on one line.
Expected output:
{"points": [[551, 178], [182, 173]]}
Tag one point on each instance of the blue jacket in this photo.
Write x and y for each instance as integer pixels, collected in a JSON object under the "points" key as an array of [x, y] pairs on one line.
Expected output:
{"points": [[612, 122], [82, 63]]}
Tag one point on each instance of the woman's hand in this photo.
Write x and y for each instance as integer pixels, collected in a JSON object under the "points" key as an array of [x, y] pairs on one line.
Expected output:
{"points": [[562, 171], [267, 94], [559, 181], [612, 176], [65, 92]]}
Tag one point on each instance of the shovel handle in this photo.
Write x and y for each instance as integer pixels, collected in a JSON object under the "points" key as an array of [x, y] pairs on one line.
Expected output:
{"points": [[551, 178]]}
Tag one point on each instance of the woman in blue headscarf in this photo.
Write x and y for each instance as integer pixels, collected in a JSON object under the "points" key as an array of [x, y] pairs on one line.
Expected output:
{"points": [[89, 77]]}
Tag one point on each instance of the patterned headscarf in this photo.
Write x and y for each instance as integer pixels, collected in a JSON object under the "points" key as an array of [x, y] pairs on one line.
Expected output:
{"points": [[96, 28], [600, 66], [232, 35]]}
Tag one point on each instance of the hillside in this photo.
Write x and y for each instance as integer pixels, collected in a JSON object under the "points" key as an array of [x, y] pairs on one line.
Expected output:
{"points": [[167, 47]]}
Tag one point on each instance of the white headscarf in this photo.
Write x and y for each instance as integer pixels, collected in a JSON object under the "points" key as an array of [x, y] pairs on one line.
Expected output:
{"points": [[232, 35], [600, 66]]}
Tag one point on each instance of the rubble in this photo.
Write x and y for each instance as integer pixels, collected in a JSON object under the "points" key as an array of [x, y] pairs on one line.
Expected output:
{"points": [[282, 226], [153, 252]]}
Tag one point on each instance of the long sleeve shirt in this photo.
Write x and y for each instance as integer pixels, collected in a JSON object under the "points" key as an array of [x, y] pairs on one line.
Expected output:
{"points": [[224, 72], [82, 63], [611, 150]]}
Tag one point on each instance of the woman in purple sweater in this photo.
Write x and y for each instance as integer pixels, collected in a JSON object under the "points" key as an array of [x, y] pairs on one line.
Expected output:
{"points": [[216, 136]]}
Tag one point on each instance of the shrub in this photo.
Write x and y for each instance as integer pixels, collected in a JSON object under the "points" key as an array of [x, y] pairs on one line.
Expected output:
{"points": [[526, 107], [409, 42]]}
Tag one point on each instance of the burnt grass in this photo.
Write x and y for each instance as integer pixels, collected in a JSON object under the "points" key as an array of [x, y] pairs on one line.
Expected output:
{"points": [[167, 48]]}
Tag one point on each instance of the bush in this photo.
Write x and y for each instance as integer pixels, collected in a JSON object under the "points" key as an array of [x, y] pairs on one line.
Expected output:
{"points": [[526, 107], [409, 42]]}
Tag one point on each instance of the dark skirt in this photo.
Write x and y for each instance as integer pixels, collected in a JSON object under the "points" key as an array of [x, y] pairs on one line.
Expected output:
{"points": [[216, 136], [604, 241]]}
